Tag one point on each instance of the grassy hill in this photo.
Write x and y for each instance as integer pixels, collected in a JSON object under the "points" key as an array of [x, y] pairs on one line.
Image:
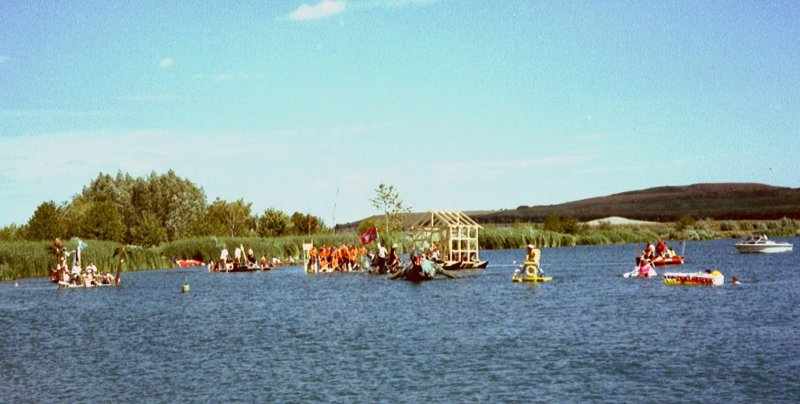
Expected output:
{"points": [[725, 201]]}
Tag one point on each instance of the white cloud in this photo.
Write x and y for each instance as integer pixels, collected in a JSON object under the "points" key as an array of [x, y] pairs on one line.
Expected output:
{"points": [[323, 9], [166, 62], [395, 3], [224, 77]]}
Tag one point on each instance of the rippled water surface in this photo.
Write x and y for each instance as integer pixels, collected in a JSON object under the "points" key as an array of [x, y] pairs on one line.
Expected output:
{"points": [[282, 335]]}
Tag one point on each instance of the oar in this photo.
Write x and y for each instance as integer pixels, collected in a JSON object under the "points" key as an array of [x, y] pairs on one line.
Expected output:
{"points": [[119, 266]]}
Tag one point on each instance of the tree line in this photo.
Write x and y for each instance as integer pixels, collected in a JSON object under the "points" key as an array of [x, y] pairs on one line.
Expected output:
{"points": [[152, 210]]}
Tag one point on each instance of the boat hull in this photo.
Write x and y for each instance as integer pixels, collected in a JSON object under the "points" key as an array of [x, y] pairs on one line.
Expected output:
{"points": [[67, 285], [457, 265], [531, 278], [660, 262], [763, 248]]}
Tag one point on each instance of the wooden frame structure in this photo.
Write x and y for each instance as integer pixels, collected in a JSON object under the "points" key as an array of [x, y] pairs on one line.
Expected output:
{"points": [[454, 232]]}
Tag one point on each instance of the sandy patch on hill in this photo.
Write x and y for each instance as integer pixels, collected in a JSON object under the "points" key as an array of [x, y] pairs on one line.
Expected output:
{"points": [[615, 220]]}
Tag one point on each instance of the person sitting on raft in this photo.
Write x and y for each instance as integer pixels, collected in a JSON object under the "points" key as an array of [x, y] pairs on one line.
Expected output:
{"points": [[648, 252], [531, 258], [76, 273], [393, 260], [644, 268], [251, 257]]}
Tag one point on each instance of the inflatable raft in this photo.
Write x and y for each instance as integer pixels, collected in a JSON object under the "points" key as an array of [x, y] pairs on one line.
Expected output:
{"points": [[707, 278], [530, 274]]}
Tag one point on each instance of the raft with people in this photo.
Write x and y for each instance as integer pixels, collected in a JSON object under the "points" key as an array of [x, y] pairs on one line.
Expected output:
{"points": [[421, 269], [530, 273], [456, 234], [660, 255], [90, 277], [705, 278], [531, 270]]}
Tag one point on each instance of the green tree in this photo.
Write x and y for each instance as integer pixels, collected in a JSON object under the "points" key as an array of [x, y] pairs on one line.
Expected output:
{"points": [[103, 221], [307, 223], [149, 231], [46, 223], [387, 200], [685, 222], [273, 223], [233, 218], [553, 223]]}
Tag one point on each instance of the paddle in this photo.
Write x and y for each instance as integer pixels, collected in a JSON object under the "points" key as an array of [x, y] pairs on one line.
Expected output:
{"points": [[119, 266]]}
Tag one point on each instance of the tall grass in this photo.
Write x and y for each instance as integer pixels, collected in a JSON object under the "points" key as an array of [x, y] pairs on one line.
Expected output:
{"points": [[31, 259]]}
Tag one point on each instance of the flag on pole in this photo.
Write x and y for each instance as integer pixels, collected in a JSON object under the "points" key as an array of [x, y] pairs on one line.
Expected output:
{"points": [[369, 235]]}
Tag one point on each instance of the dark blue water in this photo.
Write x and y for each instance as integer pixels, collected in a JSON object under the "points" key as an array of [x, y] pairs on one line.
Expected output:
{"points": [[590, 334]]}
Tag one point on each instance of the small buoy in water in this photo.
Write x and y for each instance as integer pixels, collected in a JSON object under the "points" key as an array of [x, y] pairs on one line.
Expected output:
{"points": [[515, 262], [185, 288]]}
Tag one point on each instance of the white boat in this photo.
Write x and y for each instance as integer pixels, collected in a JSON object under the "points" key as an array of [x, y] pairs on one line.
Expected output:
{"points": [[762, 245]]}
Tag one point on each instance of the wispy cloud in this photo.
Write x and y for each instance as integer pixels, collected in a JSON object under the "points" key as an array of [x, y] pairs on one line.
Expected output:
{"points": [[505, 165], [58, 113], [3, 59], [166, 62], [147, 97], [224, 77], [392, 3], [323, 9]]}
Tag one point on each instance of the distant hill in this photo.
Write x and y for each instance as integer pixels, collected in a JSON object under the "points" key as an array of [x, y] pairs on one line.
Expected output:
{"points": [[726, 201]]}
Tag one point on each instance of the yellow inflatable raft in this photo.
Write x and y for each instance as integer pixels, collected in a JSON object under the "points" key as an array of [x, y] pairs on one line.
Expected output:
{"points": [[707, 278], [530, 274]]}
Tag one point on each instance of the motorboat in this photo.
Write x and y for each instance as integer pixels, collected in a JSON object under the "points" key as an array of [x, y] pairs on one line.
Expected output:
{"points": [[762, 245]]}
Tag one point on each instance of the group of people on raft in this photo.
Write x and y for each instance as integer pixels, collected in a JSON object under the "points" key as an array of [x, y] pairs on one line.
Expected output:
{"points": [[77, 276], [329, 258], [242, 260], [345, 258]]}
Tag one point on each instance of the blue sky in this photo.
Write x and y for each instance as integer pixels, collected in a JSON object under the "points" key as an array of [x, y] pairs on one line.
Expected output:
{"points": [[466, 105]]}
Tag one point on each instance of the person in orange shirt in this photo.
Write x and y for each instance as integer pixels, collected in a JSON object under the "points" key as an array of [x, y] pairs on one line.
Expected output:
{"points": [[345, 257]]}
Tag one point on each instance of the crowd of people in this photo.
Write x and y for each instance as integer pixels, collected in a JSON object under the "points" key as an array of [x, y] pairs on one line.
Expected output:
{"points": [[244, 259], [88, 277], [329, 258], [76, 275]]}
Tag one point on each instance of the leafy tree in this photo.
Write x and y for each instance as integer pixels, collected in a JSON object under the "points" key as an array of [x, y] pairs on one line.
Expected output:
{"points": [[46, 223], [307, 223], [685, 222], [273, 223], [149, 231], [387, 200], [553, 223], [103, 221], [233, 218]]}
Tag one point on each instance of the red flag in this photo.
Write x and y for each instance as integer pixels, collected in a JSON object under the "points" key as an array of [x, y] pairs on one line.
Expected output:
{"points": [[369, 235]]}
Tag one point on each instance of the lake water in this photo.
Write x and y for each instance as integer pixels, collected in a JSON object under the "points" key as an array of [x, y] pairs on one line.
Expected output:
{"points": [[589, 335]]}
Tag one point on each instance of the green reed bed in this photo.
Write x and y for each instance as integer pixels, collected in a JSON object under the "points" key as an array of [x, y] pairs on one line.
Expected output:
{"points": [[33, 259]]}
